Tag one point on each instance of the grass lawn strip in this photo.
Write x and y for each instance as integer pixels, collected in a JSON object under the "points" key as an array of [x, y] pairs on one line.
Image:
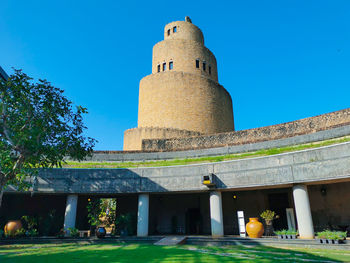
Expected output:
{"points": [[116, 252], [206, 159], [257, 256]]}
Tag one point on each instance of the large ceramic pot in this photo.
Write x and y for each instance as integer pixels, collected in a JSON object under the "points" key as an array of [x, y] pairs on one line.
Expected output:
{"points": [[254, 228], [100, 232], [12, 226]]}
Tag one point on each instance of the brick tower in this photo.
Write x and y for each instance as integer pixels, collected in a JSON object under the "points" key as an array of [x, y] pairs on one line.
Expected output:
{"points": [[182, 96]]}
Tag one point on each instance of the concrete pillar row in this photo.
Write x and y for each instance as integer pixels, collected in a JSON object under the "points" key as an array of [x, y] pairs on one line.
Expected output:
{"points": [[142, 215], [217, 222], [71, 212], [303, 212]]}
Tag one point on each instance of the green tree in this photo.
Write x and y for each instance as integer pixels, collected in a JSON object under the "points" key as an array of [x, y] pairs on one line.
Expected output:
{"points": [[39, 127]]}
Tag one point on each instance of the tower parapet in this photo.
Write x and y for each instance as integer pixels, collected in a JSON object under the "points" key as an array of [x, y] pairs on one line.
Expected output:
{"points": [[182, 95]]}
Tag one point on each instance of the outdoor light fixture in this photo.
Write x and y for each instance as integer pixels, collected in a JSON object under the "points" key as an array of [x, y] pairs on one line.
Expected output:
{"points": [[209, 180], [323, 190], [234, 196]]}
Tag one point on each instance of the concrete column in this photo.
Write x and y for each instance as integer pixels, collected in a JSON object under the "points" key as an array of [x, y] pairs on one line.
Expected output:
{"points": [[142, 215], [71, 212], [303, 212], [217, 223]]}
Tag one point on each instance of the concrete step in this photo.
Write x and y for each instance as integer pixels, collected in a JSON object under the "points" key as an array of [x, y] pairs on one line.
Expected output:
{"points": [[171, 241]]}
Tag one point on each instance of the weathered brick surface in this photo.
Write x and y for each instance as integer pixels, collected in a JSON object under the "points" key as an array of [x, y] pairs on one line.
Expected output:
{"points": [[184, 101], [279, 131], [133, 137]]}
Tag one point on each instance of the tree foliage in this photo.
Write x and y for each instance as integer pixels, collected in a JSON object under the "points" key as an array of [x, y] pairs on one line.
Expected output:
{"points": [[39, 127]]}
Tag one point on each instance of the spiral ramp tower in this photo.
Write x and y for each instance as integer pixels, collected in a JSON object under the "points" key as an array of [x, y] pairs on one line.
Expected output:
{"points": [[182, 97]]}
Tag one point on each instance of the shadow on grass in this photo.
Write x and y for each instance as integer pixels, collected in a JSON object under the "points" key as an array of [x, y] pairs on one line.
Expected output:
{"points": [[115, 252]]}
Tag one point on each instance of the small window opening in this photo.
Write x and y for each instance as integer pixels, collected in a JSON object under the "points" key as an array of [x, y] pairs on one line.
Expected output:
{"points": [[204, 65], [174, 29], [209, 68], [197, 63], [164, 66], [158, 68], [168, 32], [171, 65]]}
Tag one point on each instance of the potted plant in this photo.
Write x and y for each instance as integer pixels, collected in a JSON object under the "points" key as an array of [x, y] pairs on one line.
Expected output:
{"points": [[287, 234], [269, 216], [73, 232], [281, 233], [331, 237]]}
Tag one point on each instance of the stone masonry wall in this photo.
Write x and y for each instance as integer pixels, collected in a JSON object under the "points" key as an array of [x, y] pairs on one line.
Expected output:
{"points": [[274, 132], [184, 101], [133, 137]]}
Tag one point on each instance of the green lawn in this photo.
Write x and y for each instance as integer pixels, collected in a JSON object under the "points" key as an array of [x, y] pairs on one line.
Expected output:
{"points": [[206, 159], [116, 252]]}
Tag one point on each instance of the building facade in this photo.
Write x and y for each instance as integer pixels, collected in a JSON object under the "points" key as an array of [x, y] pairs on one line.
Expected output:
{"points": [[182, 97]]}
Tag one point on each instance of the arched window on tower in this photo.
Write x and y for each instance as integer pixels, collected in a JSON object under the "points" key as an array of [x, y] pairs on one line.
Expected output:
{"points": [[171, 65], [158, 68], [174, 29], [209, 69], [168, 32], [204, 65], [164, 66]]}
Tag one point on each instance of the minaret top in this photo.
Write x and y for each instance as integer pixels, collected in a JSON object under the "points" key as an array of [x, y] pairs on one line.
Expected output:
{"points": [[183, 30]]}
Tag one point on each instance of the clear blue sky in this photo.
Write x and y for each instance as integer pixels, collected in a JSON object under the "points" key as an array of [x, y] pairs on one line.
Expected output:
{"points": [[279, 60]]}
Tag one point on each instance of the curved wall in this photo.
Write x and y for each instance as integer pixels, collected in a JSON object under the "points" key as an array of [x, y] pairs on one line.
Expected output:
{"points": [[133, 137], [183, 54], [285, 130], [314, 166], [184, 101], [184, 30]]}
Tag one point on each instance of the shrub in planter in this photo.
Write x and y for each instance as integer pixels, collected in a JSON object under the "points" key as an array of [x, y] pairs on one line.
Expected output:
{"points": [[287, 234], [20, 232], [32, 233], [331, 237], [281, 233], [73, 232]]}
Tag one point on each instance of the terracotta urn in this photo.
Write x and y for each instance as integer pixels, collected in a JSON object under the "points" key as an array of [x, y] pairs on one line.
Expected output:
{"points": [[255, 229], [12, 226]]}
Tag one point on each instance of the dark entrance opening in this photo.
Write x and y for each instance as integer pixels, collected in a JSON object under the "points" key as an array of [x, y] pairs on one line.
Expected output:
{"points": [[193, 221], [278, 202]]}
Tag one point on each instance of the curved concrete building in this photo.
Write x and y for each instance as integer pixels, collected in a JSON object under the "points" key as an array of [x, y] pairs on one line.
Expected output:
{"points": [[182, 96]]}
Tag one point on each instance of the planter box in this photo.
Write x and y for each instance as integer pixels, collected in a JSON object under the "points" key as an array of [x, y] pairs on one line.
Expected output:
{"points": [[330, 241], [287, 237]]}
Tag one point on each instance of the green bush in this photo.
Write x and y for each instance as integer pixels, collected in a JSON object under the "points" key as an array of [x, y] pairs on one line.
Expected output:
{"points": [[2, 233], [282, 232], [73, 232], [268, 215], [20, 232], [331, 235], [32, 232]]}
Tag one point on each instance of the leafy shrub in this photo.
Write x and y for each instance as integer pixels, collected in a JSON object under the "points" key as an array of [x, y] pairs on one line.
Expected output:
{"points": [[73, 232], [2, 233], [268, 215], [20, 232], [32, 233], [281, 232], [291, 232], [331, 235], [31, 222]]}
